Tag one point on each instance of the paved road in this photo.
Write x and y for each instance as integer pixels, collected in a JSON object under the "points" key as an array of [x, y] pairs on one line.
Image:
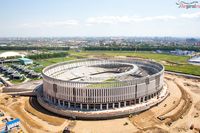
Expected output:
{"points": [[7, 83], [182, 74], [24, 87], [30, 85]]}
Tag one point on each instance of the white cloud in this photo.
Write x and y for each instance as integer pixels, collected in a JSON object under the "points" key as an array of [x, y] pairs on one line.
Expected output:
{"points": [[133, 19], [191, 15], [109, 20], [65, 23], [125, 19]]}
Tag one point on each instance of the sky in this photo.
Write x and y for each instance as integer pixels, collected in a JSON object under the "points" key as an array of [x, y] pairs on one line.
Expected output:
{"points": [[67, 18]]}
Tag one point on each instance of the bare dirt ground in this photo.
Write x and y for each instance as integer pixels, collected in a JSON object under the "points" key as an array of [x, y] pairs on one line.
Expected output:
{"points": [[179, 112], [122, 125], [31, 119]]}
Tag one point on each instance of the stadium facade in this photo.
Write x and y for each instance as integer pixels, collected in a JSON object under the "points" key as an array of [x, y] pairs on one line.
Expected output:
{"points": [[101, 88]]}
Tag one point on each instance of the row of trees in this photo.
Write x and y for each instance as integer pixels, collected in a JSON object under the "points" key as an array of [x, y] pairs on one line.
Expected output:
{"points": [[32, 48], [142, 48], [48, 55]]}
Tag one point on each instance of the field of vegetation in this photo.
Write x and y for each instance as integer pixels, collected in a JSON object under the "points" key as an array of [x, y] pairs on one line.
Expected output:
{"points": [[171, 62], [42, 63]]}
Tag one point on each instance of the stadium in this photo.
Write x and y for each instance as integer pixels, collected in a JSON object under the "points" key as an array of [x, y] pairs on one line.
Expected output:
{"points": [[101, 88]]}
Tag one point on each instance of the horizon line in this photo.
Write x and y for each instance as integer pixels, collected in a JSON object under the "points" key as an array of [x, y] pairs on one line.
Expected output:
{"points": [[97, 36]]}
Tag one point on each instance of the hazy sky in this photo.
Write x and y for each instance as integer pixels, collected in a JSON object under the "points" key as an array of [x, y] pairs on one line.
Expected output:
{"points": [[33, 18]]}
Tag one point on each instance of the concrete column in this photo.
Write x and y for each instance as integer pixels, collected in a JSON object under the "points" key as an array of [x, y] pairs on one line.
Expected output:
{"points": [[107, 106], [81, 106], [100, 106], [119, 105], [63, 103], [124, 103], [108, 95], [113, 105], [68, 104], [87, 107], [94, 107]]}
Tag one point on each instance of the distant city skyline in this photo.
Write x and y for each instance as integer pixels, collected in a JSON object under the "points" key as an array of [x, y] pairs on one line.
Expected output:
{"points": [[68, 18]]}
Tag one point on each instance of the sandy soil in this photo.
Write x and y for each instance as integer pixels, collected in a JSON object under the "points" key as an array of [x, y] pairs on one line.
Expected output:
{"points": [[122, 125], [179, 112], [32, 120], [192, 118]]}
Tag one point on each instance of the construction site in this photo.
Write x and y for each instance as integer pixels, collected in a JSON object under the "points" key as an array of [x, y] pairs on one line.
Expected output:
{"points": [[179, 112]]}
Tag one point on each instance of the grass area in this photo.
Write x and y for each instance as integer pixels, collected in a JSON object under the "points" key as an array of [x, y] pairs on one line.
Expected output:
{"points": [[107, 83], [110, 80], [188, 69], [47, 62], [17, 81], [171, 62], [145, 54]]}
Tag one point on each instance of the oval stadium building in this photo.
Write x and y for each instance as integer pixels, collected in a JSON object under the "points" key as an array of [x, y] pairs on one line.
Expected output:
{"points": [[101, 88]]}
